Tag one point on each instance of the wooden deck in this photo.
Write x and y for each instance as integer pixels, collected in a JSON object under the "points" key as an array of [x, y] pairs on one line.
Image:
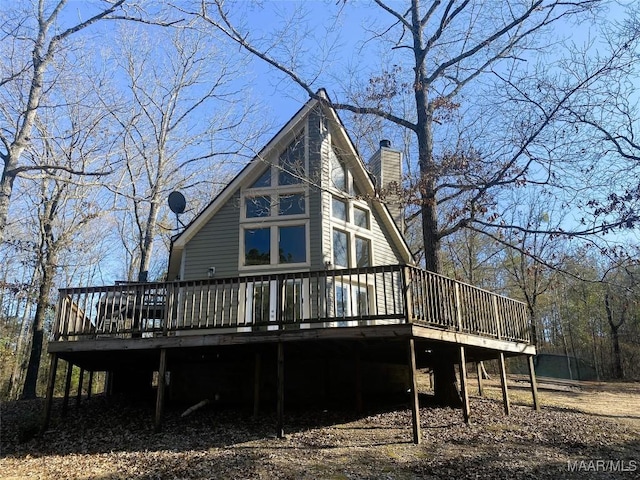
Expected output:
{"points": [[387, 300], [395, 315]]}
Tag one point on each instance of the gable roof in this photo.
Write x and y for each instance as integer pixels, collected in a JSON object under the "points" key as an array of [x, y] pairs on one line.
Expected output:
{"points": [[357, 169]]}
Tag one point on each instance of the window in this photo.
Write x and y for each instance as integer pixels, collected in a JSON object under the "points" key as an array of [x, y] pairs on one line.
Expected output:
{"points": [[351, 300], [338, 172], [257, 246], [363, 252], [264, 180], [258, 206], [292, 170], [360, 217], [292, 244], [339, 209], [291, 204], [340, 249]]}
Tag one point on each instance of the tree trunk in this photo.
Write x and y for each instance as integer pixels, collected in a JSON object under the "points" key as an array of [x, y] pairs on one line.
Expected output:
{"points": [[445, 386], [618, 372], [31, 379]]}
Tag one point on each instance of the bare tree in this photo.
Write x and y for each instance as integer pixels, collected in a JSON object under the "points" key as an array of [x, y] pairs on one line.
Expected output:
{"points": [[34, 39], [437, 51], [177, 118]]}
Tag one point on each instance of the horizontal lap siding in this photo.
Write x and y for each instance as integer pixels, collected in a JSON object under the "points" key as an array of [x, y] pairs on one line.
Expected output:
{"points": [[216, 244], [384, 251]]}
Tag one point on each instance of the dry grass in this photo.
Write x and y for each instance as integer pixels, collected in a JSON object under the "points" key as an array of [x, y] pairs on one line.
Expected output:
{"points": [[105, 441]]}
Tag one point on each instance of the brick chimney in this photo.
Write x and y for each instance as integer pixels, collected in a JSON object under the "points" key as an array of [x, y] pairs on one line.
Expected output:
{"points": [[386, 167]]}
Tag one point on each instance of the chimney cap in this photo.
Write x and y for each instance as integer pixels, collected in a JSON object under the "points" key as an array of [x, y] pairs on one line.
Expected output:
{"points": [[385, 143]]}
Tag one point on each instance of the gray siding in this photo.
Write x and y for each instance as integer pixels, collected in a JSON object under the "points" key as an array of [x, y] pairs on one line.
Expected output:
{"points": [[384, 250], [216, 244], [317, 142]]}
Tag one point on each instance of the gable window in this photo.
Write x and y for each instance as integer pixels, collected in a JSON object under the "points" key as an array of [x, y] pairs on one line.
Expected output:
{"points": [[360, 217], [339, 209], [292, 244], [363, 252], [291, 163], [292, 204], [256, 207], [340, 249], [257, 246], [264, 180], [274, 216], [338, 171]]}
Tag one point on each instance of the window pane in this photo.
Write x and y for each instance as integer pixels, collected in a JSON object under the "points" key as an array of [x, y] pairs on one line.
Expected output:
{"points": [[360, 217], [292, 246], [292, 300], [339, 209], [261, 298], [342, 300], [362, 301], [258, 206], [363, 252], [257, 246], [291, 204], [338, 173], [264, 180], [340, 256], [292, 163]]}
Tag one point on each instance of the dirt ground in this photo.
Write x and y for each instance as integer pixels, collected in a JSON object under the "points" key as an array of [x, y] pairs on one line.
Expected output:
{"points": [[584, 430]]}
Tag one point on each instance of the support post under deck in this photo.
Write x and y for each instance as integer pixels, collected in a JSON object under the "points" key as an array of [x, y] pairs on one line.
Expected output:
{"points": [[53, 369], [415, 402], [280, 401], [534, 383], [480, 379], [466, 411], [256, 383], [503, 383], [79, 392], [162, 370], [67, 388]]}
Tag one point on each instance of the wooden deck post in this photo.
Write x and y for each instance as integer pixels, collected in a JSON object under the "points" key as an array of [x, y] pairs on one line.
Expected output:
{"points": [[466, 411], [534, 383], [280, 401], [67, 388], [53, 369], [162, 370], [358, 380], [256, 383], [480, 379], [90, 386], [415, 402], [503, 383], [79, 392]]}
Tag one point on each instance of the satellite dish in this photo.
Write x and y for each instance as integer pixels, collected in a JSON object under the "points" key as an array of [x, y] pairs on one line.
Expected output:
{"points": [[177, 203]]}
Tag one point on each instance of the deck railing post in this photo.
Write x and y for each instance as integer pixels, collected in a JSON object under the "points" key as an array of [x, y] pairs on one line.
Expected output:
{"points": [[497, 316], [405, 275], [456, 291]]}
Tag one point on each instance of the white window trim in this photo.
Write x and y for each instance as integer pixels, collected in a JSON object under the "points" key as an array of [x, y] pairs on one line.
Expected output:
{"points": [[273, 236], [352, 233], [274, 194]]}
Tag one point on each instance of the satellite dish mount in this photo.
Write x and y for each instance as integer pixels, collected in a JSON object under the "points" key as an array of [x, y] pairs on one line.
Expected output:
{"points": [[177, 204]]}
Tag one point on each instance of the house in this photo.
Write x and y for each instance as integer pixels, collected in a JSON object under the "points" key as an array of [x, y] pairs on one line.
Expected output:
{"points": [[294, 283]]}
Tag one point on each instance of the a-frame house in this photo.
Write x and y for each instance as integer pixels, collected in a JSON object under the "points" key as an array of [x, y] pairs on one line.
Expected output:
{"points": [[294, 283]]}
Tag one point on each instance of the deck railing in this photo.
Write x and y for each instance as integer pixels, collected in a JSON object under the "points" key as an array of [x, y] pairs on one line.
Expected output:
{"points": [[321, 299]]}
